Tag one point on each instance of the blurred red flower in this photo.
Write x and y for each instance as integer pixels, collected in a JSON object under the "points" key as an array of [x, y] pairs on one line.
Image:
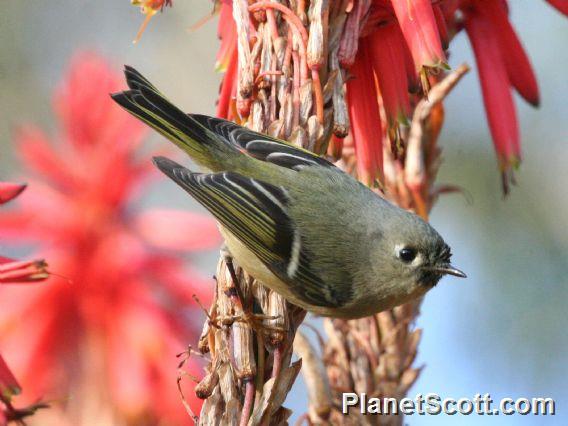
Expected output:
{"points": [[18, 271], [104, 339], [12, 272], [10, 190], [9, 387]]}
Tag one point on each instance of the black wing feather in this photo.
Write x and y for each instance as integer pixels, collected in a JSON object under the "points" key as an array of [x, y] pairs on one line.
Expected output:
{"points": [[260, 146]]}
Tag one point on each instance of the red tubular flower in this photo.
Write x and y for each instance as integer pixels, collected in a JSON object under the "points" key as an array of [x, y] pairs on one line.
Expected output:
{"points": [[365, 119], [9, 386], [442, 26], [386, 52], [418, 24], [19, 271], [411, 75], [228, 92], [561, 5], [112, 327], [494, 78], [227, 34], [519, 69], [396, 56], [9, 191], [227, 61], [15, 271]]}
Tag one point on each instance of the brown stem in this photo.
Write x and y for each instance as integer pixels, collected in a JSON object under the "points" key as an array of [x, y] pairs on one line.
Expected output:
{"points": [[234, 291], [296, 90], [271, 20], [301, 53], [288, 14], [277, 361], [143, 27], [248, 402], [318, 95]]}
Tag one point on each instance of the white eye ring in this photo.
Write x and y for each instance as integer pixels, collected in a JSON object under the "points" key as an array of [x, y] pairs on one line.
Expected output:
{"points": [[407, 254]]}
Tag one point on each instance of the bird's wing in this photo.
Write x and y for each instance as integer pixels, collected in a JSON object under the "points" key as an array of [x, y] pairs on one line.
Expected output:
{"points": [[136, 81], [200, 134], [260, 146], [256, 213]]}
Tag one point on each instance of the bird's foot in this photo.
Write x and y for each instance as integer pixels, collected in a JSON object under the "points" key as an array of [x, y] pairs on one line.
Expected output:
{"points": [[255, 321]]}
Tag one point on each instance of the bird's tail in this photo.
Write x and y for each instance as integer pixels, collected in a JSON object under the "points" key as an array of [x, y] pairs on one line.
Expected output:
{"points": [[146, 103]]}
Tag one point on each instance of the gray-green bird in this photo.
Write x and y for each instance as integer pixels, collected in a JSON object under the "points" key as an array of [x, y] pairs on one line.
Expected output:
{"points": [[293, 220]]}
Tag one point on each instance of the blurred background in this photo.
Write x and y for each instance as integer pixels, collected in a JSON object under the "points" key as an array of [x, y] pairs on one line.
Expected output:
{"points": [[503, 330]]}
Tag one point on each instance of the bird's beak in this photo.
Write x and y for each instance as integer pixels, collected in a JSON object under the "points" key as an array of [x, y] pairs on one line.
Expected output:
{"points": [[447, 270]]}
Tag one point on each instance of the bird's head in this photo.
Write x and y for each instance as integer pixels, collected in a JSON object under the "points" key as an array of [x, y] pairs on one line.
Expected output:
{"points": [[418, 254]]}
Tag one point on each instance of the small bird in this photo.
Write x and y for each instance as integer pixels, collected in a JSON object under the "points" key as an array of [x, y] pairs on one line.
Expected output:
{"points": [[293, 220]]}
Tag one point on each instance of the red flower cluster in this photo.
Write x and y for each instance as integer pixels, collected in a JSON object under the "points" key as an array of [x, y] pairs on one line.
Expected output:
{"points": [[102, 336], [402, 42], [14, 271], [393, 48]]}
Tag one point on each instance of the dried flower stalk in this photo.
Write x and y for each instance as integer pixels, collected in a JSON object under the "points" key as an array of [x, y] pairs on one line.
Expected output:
{"points": [[287, 87], [250, 373], [290, 85]]}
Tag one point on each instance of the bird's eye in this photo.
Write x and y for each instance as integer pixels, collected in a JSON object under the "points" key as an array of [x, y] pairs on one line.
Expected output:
{"points": [[407, 254]]}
